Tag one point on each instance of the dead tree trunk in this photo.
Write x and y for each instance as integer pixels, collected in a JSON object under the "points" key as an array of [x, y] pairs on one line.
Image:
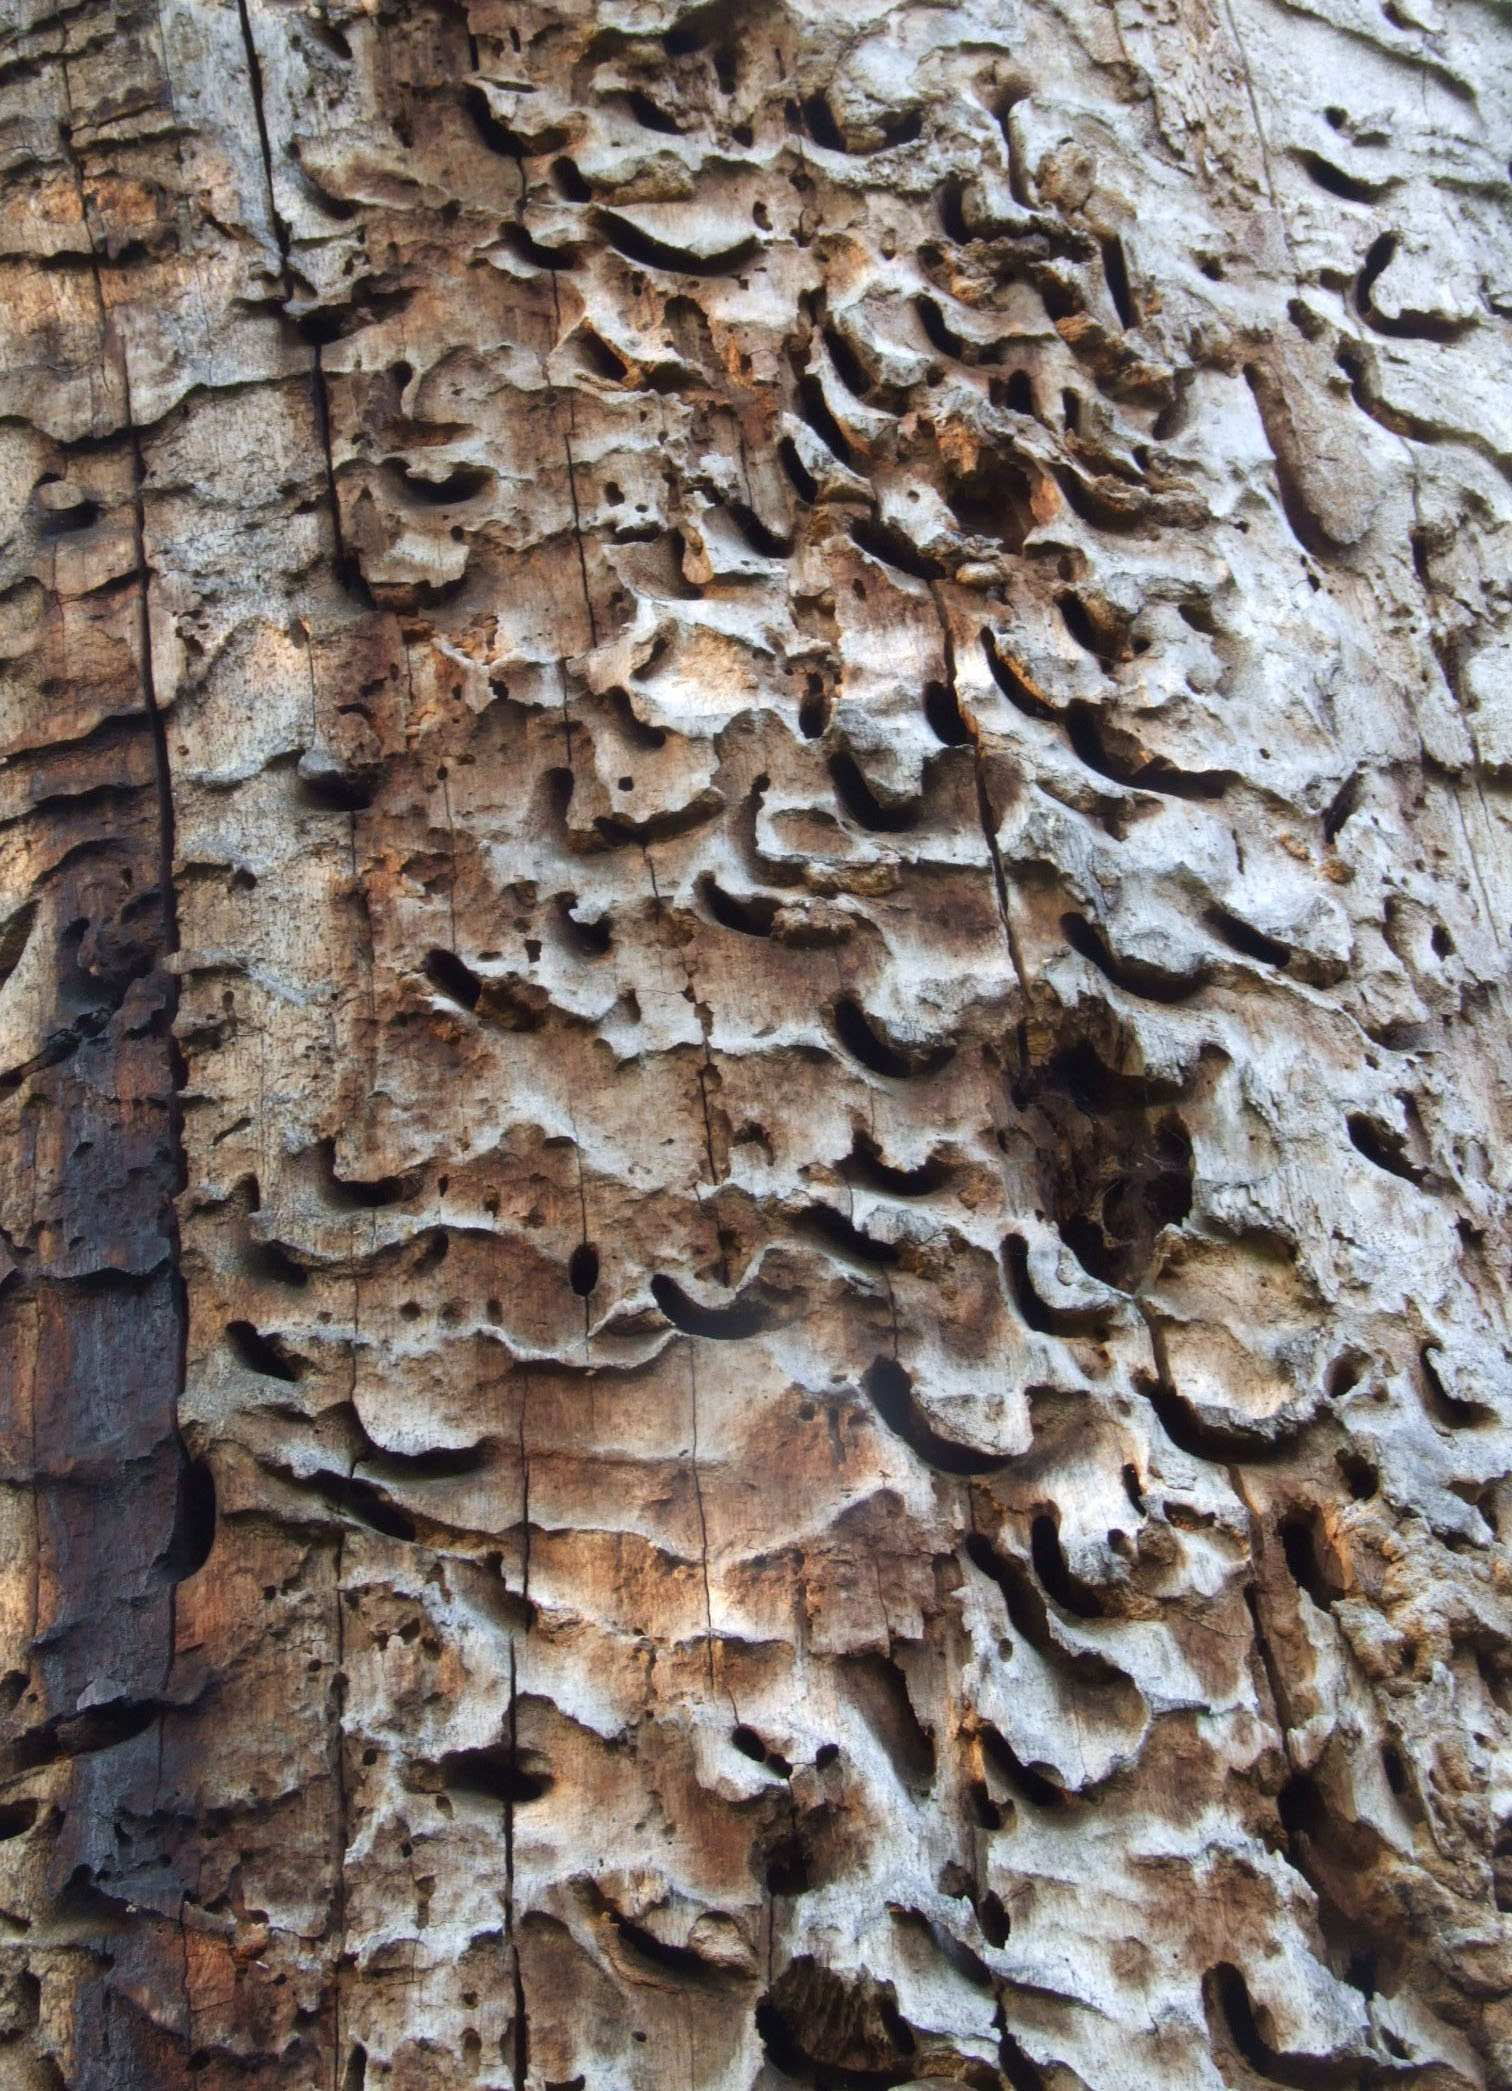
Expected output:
{"points": [[755, 905]]}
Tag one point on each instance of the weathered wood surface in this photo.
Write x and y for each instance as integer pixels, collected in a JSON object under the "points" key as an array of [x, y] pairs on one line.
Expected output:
{"points": [[754, 898]]}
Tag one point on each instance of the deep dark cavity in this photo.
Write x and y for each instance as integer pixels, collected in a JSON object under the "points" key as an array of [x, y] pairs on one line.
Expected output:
{"points": [[864, 1038], [866, 1165], [741, 1318], [1118, 1166], [1050, 1565], [942, 708], [451, 977], [1116, 273], [495, 1772], [1306, 1563], [891, 1390], [1036, 1310], [266, 1355], [748, 914], [864, 805], [1382, 1146]]}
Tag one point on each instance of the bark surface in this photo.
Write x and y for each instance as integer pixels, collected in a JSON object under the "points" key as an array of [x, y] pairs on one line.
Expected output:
{"points": [[754, 897]]}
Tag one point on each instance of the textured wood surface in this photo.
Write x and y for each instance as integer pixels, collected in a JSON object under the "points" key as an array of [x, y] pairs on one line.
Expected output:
{"points": [[754, 900]]}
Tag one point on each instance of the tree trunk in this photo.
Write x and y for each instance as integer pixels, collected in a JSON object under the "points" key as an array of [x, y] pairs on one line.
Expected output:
{"points": [[754, 922]]}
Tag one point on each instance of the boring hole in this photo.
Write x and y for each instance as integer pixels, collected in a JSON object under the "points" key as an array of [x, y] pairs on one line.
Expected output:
{"points": [[262, 1354], [942, 708], [450, 977]]}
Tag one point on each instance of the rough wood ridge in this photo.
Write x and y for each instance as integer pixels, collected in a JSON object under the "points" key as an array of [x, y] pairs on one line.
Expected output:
{"points": [[754, 902]]}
